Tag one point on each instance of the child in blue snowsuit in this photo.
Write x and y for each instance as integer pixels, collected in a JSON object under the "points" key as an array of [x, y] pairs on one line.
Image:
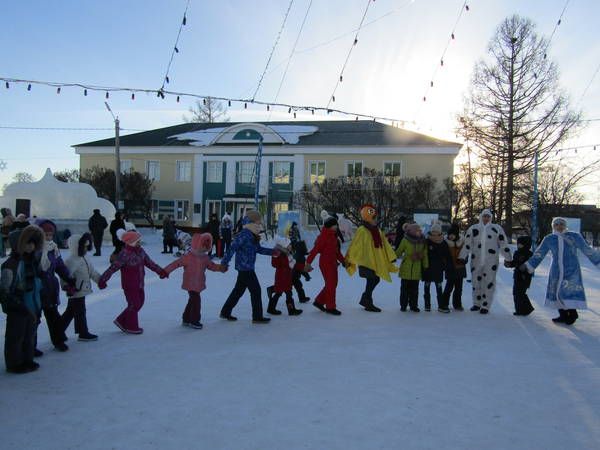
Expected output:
{"points": [[245, 246]]}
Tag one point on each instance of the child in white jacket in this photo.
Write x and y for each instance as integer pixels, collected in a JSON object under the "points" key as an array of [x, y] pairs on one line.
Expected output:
{"points": [[83, 272]]}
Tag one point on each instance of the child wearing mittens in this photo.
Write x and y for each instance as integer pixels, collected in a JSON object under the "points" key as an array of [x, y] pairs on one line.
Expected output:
{"points": [[83, 272], [195, 264], [131, 261], [283, 264], [413, 251]]}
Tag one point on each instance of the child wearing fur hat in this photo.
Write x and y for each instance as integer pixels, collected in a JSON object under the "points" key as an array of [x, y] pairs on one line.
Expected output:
{"points": [[52, 264], [20, 290], [456, 271], [328, 247], [521, 279], [84, 273], [413, 252], [131, 262], [245, 246], [195, 264], [438, 256], [283, 264]]}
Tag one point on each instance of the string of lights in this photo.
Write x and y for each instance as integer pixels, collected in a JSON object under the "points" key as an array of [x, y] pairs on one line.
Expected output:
{"points": [[558, 22], [341, 76], [5, 127], [588, 85], [452, 37], [175, 47], [133, 90], [273, 50]]}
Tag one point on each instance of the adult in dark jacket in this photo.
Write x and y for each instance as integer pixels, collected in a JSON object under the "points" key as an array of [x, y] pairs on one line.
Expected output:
{"points": [[117, 224], [214, 226], [399, 231], [97, 224], [456, 271], [439, 257], [169, 234], [20, 288], [521, 279]]}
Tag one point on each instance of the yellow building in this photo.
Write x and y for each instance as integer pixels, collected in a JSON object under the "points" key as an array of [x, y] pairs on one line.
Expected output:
{"points": [[204, 168]]}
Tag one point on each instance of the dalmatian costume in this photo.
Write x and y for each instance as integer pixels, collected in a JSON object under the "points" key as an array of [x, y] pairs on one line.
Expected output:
{"points": [[483, 245]]}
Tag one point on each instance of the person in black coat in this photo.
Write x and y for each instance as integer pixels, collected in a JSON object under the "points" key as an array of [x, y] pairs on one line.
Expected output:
{"points": [[117, 224], [439, 258], [97, 224], [169, 235], [214, 226], [521, 280], [399, 231]]}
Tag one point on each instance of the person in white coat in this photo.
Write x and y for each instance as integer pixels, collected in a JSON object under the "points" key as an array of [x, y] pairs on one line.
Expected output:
{"points": [[82, 270], [484, 242]]}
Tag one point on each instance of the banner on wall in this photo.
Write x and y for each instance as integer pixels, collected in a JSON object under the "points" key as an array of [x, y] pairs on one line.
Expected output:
{"points": [[425, 220], [285, 220]]}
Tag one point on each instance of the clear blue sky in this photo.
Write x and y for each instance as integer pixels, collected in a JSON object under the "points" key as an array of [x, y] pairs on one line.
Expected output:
{"points": [[224, 48]]}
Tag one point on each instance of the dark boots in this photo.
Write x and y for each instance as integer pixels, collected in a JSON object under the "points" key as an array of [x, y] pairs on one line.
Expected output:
{"points": [[566, 316], [367, 303], [562, 316], [273, 299], [291, 307]]}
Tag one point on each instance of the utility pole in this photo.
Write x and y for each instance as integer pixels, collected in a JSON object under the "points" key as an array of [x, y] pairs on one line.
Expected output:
{"points": [[534, 206], [257, 172], [118, 204]]}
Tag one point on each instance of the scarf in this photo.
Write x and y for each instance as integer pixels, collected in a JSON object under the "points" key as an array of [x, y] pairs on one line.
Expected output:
{"points": [[413, 239], [375, 234], [49, 246]]}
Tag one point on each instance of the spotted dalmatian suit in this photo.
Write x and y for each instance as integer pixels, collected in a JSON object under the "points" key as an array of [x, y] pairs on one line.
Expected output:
{"points": [[483, 245]]}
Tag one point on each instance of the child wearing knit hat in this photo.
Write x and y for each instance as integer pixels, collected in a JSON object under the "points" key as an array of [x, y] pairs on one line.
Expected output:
{"points": [[131, 261], [413, 252], [283, 263]]}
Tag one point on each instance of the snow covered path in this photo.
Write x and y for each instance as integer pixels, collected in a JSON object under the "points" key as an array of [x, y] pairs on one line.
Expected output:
{"points": [[359, 381]]}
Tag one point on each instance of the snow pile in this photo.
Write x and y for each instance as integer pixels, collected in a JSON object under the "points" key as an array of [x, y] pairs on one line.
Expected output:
{"points": [[360, 381]]}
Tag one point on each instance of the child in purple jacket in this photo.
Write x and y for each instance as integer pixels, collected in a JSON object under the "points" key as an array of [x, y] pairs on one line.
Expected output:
{"points": [[131, 261]]}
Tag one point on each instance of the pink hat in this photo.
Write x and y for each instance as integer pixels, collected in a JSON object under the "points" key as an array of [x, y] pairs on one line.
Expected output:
{"points": [[131, 237]]}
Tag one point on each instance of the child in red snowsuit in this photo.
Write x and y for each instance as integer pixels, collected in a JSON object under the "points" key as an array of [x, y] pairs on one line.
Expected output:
{"points": [[131, 261], [327, 245], [283, 279], [194, 266]]}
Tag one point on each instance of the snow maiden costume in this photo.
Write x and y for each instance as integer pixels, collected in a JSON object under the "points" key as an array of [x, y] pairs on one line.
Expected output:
{"points": [[565, 286], [373, 254], [484, 242]]}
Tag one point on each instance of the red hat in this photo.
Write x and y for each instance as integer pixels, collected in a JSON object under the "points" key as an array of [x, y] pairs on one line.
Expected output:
{"points": [[48, 227], [131, 237]]}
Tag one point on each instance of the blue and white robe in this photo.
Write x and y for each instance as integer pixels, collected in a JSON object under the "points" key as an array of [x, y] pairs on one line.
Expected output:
{"points": [[565, 285]]}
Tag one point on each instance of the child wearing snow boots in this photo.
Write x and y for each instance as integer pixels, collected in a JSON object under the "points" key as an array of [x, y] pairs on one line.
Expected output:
{"points": [[131, 261], [413, 251], [83, 272], [52, 264], [283, 279], [521, 279], [245, 246], [195, 264], [455, 269], [20, 288], [328, 247], [300, 251], [438, 256]]}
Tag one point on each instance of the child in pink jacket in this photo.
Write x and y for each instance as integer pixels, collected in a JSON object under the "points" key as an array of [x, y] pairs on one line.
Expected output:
{"points": [[194, 266], [131, 261]]}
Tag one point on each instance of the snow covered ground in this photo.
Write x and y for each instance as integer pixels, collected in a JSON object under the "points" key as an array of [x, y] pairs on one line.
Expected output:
{"points": [[359, 381]]}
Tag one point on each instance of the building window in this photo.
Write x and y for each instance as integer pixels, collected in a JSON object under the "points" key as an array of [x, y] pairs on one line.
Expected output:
{"points": [[197, 208], [277, 208], [182, 209], [354, 168], [165, 208], [213, 207], [392, 169], [184, 171], [214, 172], [317, 171], [125, 166], [281, 172], [245, 172], [153, 170]]}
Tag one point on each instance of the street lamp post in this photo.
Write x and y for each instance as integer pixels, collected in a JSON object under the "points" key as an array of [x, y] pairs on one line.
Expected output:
{"points": [[117, 160], [534, 206]]}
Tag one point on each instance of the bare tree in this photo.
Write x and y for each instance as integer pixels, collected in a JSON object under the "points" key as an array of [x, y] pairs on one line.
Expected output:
{"points": [[67, 175], [515, 108], [23, 177], [208, 111]]}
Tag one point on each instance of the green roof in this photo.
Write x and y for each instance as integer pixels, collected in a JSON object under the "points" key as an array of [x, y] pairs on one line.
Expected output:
{"points": [[330, 133]]}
